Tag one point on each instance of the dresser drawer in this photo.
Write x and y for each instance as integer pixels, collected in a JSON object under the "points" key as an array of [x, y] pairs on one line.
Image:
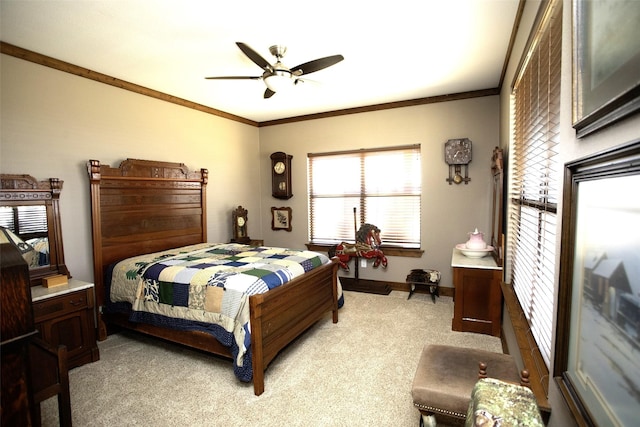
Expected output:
{"points": [[58, 306]]}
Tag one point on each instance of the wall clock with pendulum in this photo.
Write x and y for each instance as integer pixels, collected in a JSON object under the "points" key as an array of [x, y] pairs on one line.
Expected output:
{"points": [[281, 175], [457, 154]]}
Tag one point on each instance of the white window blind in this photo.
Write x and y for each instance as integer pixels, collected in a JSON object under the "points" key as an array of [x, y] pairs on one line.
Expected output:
{"points": [[384, 186], [535, 179]]}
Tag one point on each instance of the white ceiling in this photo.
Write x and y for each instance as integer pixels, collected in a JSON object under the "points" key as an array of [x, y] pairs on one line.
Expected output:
{"points": [[394, 50]]}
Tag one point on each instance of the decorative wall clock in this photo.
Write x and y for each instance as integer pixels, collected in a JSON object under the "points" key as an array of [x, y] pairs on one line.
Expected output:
{"points": [[457, 153], [281, 175], [239, 223]]}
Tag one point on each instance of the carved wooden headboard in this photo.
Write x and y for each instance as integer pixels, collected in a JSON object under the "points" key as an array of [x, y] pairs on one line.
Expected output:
{"points": [[143, 206]]}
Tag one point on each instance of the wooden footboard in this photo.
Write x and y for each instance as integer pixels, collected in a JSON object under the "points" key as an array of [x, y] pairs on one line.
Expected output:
{"points": [[282, 314]]}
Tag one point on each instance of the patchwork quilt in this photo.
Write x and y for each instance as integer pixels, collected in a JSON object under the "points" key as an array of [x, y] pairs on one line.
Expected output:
{"points": [[207, 287]]}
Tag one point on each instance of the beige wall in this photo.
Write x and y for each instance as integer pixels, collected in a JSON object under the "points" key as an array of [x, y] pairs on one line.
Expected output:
{"points": [[54, 122], [449, 212], [570, 148]]}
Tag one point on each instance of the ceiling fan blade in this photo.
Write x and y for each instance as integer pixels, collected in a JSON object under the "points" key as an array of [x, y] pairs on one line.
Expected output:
{"points": [[254, 56], [268, 93], [234, 78], [316, 65]]}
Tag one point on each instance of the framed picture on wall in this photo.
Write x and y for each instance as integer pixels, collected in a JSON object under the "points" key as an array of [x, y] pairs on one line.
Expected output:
{"points": [[606, 60], [597, 367], [281, 219]]}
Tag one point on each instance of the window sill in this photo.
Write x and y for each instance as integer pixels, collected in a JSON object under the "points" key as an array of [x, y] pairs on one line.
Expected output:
{"points": [[531, 357], [388, 251]]}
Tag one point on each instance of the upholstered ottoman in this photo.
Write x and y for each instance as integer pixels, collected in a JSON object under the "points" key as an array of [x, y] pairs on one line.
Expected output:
{"points": [[446, 375]]}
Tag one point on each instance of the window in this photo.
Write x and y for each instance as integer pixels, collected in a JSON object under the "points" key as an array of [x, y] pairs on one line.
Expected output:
{"points": [[535, 179], [25, 221], [376, 186]]}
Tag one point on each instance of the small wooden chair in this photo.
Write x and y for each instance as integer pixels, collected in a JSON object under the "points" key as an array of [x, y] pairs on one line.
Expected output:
{"points": [[446, 375], [50, 377]]}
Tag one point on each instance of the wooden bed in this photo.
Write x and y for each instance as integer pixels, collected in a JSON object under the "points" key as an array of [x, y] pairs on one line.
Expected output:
{"points": [[147, 206]]}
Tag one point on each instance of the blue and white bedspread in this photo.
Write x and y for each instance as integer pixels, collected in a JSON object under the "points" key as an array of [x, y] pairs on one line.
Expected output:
{"points": [[206, 287]]}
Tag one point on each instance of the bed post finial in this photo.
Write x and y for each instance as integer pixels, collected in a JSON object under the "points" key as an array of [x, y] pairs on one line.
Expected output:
{"points": [[93, 167]]}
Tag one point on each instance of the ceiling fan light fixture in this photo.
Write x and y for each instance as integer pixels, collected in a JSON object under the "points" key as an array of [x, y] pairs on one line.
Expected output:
{"points": [[278, 77], [279, 80]]}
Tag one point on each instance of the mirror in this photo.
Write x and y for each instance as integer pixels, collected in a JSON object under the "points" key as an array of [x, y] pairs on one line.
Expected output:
{"points": [[497, 205], [30, 220]]}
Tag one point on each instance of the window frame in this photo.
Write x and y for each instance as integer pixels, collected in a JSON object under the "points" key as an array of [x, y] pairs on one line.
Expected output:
{"points": [[363, 192], [541, 118]]}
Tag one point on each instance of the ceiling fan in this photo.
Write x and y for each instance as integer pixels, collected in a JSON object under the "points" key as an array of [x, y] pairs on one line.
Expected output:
{"points": [[278, 76]]}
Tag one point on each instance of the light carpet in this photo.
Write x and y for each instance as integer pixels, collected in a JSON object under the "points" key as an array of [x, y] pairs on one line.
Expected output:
{"points": [[357, 372]]}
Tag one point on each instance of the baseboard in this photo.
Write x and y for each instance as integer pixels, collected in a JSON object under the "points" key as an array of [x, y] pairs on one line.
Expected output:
{"points": [[380, 287]]}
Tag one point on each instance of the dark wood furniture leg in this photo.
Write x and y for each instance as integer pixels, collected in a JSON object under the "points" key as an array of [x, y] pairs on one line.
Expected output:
{"points": [[50, 377]]}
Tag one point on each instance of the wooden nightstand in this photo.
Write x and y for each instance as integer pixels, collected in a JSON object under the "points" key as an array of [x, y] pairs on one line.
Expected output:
{"points": [[478, 295], [65, 315]]}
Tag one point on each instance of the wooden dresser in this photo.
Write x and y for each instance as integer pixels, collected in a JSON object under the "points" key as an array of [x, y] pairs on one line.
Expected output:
{"points": [[18, 332], [65, 315], [478, 295]]}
